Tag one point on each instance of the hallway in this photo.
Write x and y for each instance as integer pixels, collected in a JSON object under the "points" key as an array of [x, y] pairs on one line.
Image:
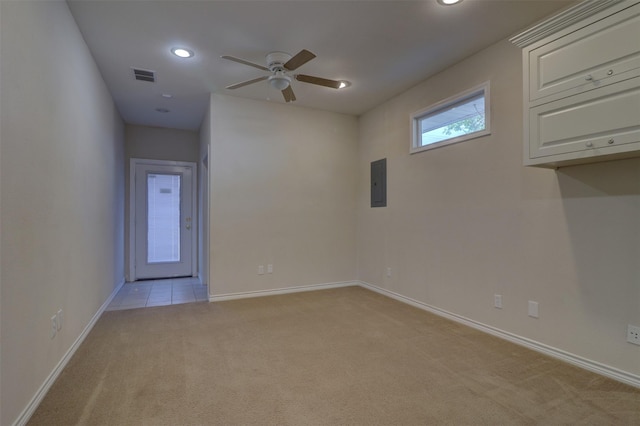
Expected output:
{"points": [[141, 294]]}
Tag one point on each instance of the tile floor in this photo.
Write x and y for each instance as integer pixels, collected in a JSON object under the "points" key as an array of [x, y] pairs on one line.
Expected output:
{"points": [[174, 291]]}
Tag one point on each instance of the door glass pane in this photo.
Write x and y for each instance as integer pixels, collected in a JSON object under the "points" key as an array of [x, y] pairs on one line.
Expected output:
{"points": [[163, 218]]}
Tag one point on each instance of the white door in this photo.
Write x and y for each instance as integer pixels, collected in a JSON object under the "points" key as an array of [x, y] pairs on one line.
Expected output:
{"points": [[164, 222]]}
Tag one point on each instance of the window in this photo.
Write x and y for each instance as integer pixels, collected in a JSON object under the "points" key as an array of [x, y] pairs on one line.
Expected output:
{"points": [[459, 118], [163, 218]]}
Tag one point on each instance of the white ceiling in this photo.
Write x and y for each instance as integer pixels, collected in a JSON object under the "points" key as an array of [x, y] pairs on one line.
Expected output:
{"points": [[383, 47]]}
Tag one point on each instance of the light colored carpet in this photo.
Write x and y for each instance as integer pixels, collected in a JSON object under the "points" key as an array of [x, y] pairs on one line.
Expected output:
{"points": [[334, 357]]}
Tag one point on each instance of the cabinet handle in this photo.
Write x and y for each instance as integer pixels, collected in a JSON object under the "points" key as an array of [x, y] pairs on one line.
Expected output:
{"points": [[610, 141], [589, 78], [610, 72], [589, 144]]}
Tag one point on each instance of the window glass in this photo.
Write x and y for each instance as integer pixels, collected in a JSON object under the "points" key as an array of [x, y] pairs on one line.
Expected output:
{"points": [[163, 218], [462, 117]]}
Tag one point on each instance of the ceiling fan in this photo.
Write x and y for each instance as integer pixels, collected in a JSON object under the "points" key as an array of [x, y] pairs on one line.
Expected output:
{"points": [[279, 64]]}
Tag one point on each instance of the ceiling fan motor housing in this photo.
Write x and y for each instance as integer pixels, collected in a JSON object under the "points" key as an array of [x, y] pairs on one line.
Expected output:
{"points": [[276, 61]]}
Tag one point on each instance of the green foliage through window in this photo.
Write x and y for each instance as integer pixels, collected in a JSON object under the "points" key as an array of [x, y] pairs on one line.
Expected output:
{"points": [[466, 126]]}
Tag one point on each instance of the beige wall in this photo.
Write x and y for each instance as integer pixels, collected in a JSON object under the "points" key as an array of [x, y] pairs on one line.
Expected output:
{"points": [[62, 194], [283, 189], [467, 221], [155, 143]]}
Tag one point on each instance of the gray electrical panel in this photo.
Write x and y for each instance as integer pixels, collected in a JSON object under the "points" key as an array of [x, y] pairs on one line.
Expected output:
{"points": [[379, 183]]}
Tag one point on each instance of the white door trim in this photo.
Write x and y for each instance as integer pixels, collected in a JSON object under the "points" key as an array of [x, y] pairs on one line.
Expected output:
{"points": [[133, 162]]}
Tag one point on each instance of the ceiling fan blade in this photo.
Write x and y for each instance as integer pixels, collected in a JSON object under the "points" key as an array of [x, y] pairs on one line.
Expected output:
{"points": [[242, 61], [288, 94], [299, 60], [248, 82], [334, 84]]}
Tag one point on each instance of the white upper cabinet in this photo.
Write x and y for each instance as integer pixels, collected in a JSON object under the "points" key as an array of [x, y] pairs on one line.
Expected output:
{"points": [[592, 57], [586, 126], [582, 85]]}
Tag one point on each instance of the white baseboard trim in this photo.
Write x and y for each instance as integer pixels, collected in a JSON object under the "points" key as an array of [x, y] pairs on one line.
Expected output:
{"points": [[587, 364], [42, 392], [277, 291]]}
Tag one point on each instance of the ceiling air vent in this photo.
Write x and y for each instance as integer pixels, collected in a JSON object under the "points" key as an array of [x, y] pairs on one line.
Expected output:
{"points": [[144, 75]]}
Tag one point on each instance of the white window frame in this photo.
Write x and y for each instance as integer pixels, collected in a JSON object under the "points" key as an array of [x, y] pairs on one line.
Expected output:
{"points": [[416, 117]]}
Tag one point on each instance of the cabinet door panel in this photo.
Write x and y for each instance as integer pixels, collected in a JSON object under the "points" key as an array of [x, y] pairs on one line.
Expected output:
{"points": [[596, 125], [603, 53]]}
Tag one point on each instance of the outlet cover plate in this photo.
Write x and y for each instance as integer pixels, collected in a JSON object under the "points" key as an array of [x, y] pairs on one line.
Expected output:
{"points": [[533, 309], [54, 325], [497, 301], [633, 334]]}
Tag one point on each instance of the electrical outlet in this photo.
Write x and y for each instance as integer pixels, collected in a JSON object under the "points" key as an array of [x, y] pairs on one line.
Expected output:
{"points": [[388, 272], [261, 270], [497, 301], [533, 309], [270, 269], [633, 334], [59, 315], [54, 326]]}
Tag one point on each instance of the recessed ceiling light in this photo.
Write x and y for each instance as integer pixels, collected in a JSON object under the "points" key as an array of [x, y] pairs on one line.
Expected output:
{"points": [[448, 2], [344, 84], [182, 52]]}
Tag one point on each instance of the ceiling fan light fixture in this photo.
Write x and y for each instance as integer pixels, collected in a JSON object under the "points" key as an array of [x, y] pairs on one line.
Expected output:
{"points": [[181, 52], [448, 2], [279, 81]]}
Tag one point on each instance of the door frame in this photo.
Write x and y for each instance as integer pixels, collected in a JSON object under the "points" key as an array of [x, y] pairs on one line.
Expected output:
{"points": [[133, 162]]}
